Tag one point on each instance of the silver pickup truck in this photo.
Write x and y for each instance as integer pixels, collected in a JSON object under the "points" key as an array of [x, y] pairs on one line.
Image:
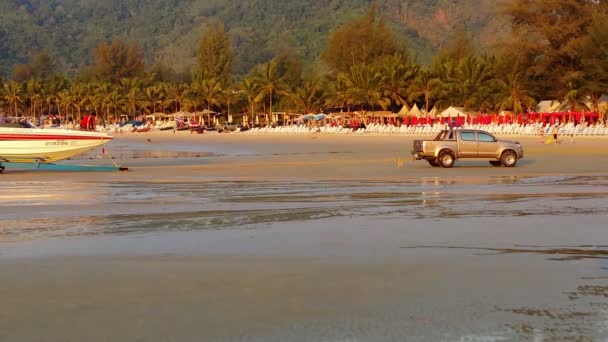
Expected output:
{"points": [[450, 145]]}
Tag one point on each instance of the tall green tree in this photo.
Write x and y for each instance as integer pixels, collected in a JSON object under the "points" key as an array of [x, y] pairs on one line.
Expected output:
{"points": [[41, 67], [360, 41], [550, 38], [215, 54], [595, 58], [118, 60]]}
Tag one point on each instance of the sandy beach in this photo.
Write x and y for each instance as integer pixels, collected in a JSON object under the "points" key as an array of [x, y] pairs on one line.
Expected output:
{"points": [[224, 237]]}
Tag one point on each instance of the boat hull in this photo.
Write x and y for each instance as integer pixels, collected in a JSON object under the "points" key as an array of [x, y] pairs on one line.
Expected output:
{"points": [[25, 145]]}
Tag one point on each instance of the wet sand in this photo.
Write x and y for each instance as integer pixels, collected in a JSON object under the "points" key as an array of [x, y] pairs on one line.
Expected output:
{"points": [[307, 238]]}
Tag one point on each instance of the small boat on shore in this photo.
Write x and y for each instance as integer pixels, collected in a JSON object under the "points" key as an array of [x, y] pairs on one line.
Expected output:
{"points": [[36, 145]]}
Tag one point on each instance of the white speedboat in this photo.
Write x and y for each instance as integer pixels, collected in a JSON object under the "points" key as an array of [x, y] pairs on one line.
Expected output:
{"points": [[36, 145]]}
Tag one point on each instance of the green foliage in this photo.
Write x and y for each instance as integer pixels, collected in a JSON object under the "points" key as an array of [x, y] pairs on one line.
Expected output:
{"points": [[595, 58], [557, 52], [215, 55], [169, 31], [118, 60], [40, 67], [363, 40], [550, 36]]}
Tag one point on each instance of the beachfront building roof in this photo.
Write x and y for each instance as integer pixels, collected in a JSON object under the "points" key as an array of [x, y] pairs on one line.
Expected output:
{"points": [[453, 112], [415, 111], [378, 113], [433, 112]]}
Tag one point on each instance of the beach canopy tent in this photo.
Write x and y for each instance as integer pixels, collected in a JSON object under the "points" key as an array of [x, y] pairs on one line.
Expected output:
{"points": [[547, 106], [157, 116], [453, 112], [405, 110], [602, 104], [306, 117], [285, 116], [433, 112], [415, 111]]}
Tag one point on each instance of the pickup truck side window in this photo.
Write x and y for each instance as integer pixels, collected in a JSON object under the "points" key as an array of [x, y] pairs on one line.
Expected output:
{"points": [[467, 136], [483, 137]]}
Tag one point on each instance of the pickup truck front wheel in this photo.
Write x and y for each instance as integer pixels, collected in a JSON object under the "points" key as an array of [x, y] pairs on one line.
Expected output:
{"points": [[446, 159], [508, 158]]}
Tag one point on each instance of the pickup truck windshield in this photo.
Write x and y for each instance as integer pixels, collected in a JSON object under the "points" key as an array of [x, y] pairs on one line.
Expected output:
{"points": [[485, 137]]}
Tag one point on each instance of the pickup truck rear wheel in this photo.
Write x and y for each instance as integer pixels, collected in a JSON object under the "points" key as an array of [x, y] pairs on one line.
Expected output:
{"points": [[433, 162], [508, 158], [446, 159], [495, 163]]}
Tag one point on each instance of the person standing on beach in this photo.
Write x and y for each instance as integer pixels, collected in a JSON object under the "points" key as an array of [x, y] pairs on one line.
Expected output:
{"points": [[554, 131]]}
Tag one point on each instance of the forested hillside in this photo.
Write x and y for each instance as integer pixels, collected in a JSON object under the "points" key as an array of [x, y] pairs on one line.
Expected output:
{"points": [[168, 31]]}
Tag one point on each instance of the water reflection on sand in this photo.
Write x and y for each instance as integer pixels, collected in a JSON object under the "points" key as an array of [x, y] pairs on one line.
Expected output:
{"points": [[151, 206], [426, 258]]}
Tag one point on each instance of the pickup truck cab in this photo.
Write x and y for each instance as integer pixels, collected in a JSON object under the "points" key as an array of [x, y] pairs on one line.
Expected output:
{"points": [[450, 145]]}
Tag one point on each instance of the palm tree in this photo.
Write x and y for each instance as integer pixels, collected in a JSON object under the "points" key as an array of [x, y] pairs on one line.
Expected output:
{"points": [[133, 100], [427, 86], [514, 95], [270, 83], [102, 98], [118, 102], [64, 99], [153, 96], [250, 90], [177, 94], [309, 97], [228, 97], [13, 94], [398, 74], [472, 79], [365, 84], [79, 94], [51, 88], [576, 92], [34, 92], [210, 90]]}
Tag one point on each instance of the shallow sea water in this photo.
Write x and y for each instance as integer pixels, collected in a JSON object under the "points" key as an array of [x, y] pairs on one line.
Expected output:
{"points": [[429, 258]]}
